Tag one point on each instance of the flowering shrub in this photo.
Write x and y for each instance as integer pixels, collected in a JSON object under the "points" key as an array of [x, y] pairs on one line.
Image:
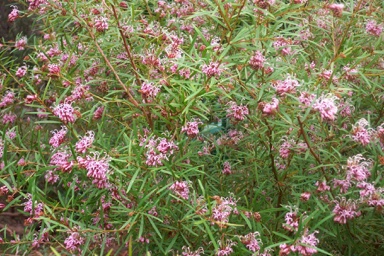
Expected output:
{"points": [[194, 127]]}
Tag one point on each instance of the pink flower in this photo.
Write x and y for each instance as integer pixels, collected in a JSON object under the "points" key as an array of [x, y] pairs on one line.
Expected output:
{"points": [[306, 98], [98, 168], [342, 184], [291, 220], [358, 168], [285, 148], [337, 9], [85, 142], [61, 160], [223, 209], [361, 132], [286, 249], [287, 86], [158, 149], [187, 251], [54, 69], [367, 189], [101, 24], [51, 177], [264, 4], [8, 99], [21, 71], [225, 249], [181, 189], [1, 153], [98, 113], [21, 43], [305, 196], [322, 186], [237, 112], [345, 210], [250, 241], [34, 209], [14, 14], [257, 61], [65, 112], [270, 108], [212, 69], [306, 243], [149, 91], [326, 106], [58, 137], [30, 98], [191, 128], [227, 168], [73, 241], [9, 118], [373, 29]]}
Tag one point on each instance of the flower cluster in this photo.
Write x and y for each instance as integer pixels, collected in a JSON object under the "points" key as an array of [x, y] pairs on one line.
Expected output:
{"points": [[181, 189], [58, 137], [97, 168], [158, 149], [361, 132], [257, 61], [287, 86], [326, 106], [191, 128], [65, 112], [85, 142], [73, 241], [237, 112], [212, 69], [223, 209]]}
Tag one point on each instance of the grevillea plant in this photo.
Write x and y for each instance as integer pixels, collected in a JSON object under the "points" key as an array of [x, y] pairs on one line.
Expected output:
{"points": [[203, 127]]}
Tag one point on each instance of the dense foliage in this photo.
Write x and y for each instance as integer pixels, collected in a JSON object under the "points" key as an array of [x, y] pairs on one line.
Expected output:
{"points": [[196, 127]]}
